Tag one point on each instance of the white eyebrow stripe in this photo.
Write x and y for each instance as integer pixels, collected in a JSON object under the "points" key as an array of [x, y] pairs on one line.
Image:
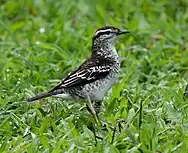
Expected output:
{"points": [[102, 31]]}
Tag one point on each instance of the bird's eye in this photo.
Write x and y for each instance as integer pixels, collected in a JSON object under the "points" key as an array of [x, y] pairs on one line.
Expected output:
{"points": [[108, 32]]}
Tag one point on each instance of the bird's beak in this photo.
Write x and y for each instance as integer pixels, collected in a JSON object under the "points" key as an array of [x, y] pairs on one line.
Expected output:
{"points": [[123, 31]]}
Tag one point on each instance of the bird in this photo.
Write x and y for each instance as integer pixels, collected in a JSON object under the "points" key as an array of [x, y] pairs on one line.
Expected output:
{"points": [[94, 77]]}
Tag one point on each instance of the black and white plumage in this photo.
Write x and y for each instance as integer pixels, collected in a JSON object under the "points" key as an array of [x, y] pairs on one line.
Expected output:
{"points": [[96, 75]]}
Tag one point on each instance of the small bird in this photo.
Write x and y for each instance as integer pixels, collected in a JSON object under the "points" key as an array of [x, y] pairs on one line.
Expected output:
{"points": [[92, 80]]}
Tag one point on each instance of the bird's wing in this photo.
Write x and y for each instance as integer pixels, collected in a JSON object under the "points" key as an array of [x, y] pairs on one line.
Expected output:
{"points": [[91, 70]]}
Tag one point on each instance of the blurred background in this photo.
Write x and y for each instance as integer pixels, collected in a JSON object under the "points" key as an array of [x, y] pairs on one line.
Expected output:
{"points": [[41, 41]]}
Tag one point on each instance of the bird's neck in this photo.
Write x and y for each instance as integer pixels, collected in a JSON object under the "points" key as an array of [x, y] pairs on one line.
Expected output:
{"points": [[104, 47]]}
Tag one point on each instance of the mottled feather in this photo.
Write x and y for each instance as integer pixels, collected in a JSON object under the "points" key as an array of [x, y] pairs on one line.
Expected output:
{"points": [[95, 68]]}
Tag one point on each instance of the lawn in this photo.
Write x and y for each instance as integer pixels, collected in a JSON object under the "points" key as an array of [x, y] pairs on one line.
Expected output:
{"points": [[41, 41]]}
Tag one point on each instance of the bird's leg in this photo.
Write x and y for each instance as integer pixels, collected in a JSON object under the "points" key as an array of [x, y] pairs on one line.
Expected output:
{"points": [[91, 109], [97, 106], [94, 108]]}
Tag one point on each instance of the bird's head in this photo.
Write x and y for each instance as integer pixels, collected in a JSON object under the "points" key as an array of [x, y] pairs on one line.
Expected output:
{"points": [[108, 34]]}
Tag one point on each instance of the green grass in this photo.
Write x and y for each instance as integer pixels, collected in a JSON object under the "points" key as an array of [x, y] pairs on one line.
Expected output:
{"points": [[42, 41]]}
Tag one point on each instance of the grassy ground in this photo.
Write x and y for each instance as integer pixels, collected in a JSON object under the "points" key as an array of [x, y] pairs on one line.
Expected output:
{"points": [[41, 41]]}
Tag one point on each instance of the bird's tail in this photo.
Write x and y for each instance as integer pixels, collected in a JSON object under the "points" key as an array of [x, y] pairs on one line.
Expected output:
{"points": [[44, 95], [40, 96]]}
